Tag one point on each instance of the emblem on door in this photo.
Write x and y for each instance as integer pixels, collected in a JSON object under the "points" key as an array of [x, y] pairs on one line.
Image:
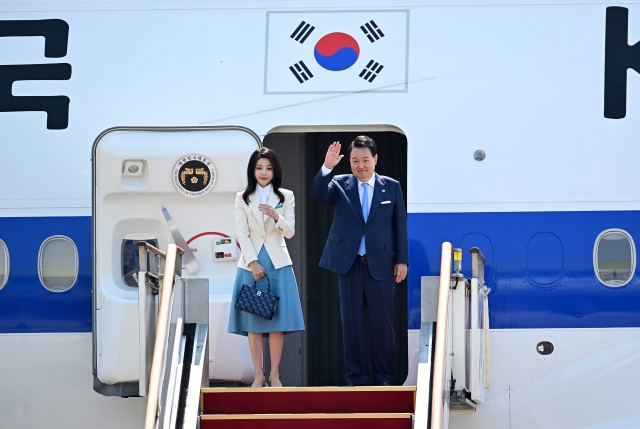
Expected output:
{"points": [[194, 175]]}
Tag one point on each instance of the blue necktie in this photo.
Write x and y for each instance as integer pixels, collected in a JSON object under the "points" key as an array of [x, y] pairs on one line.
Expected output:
{"points": [[362, 250]]}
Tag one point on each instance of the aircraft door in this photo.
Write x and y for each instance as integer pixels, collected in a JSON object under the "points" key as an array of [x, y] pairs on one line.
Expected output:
{"points": [[165, 185]]}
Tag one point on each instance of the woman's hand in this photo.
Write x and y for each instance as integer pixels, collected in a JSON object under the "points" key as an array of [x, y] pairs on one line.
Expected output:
{"points": [[269, 211], [257, 270]]}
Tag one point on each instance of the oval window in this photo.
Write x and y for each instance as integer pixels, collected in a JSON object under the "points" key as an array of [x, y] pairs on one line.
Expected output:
{"points": [[58, 263], [131, 262], [614, 257], [4, 264]]}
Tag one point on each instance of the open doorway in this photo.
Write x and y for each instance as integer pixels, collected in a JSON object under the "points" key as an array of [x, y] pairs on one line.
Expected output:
{"points": [[315, 357]]}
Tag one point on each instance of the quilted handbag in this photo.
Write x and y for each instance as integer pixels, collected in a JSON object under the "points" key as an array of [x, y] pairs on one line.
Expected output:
{"points": [[258, 302]]}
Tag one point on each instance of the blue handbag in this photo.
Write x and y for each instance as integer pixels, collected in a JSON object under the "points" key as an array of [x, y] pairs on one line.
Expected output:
{"points": [[258, 302]]}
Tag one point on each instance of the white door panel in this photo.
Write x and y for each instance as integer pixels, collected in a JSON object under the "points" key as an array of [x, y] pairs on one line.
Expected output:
{"points": [[127, 204]]}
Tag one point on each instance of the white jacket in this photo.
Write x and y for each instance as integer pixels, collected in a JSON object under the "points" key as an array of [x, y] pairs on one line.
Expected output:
{"points": [[253, 231]]}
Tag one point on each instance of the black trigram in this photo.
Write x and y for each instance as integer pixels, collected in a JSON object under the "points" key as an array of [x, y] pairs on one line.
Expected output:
{"points": [[371, 71], [301, 72], [302, 32], [371, 30]]}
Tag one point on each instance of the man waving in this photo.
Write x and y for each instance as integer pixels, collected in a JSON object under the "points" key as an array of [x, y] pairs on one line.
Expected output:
{"points": [[368, 248]]}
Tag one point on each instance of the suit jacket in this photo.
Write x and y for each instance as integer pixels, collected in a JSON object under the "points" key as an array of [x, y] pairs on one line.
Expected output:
{"points": [[385, 231], [253, 231]]}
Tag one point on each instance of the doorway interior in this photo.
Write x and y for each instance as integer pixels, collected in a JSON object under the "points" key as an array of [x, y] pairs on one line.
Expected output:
{"points": [[315, 357]]}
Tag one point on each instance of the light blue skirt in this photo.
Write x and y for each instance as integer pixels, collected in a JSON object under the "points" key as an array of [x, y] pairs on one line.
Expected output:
{"points": [[288, 316]]}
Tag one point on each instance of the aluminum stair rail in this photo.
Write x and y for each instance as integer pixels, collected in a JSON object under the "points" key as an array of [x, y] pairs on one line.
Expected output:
{"points": [[174, 351], [439, 406], [152, 263], [431, 393], [453, 363], [480, 291], [173, 264], [186, 367]]}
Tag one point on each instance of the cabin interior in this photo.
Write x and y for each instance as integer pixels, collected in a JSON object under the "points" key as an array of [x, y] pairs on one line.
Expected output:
{"points": [[315, 357]]}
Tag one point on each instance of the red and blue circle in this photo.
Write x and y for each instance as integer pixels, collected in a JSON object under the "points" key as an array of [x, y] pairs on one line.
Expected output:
{"points": [[337, 51]]}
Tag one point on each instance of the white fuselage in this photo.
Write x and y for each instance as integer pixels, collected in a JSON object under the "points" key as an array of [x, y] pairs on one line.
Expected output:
{"points": [[522, 82]]}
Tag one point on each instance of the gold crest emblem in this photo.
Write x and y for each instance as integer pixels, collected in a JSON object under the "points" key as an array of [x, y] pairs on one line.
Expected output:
{"points": [[194, 175], [198, 171]]}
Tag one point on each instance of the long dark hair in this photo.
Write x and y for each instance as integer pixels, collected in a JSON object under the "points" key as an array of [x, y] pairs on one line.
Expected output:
{"points": [[269, 154]]}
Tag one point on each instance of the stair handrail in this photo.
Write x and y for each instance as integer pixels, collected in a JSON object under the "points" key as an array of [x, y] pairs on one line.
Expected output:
{"points": [[441, 337], [151, 262], [152, 248], [161, 334], [478, 260]]}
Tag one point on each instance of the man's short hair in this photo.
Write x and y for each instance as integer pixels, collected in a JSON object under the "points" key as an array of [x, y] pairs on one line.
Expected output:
{"points": [[364, 141]]}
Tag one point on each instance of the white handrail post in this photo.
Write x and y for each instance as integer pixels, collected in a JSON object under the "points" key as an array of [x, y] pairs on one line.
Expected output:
{"points": [[429, 287], [142, 326], [161, 333], [485, 313], [439, 375]]}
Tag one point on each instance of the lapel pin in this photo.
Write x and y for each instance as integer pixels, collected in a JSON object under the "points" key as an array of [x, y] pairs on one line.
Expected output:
{"points": [[383, 190]]}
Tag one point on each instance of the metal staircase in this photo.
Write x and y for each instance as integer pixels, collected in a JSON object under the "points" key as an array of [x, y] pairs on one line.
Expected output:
{"points": [[174, 351], [453, 369]]}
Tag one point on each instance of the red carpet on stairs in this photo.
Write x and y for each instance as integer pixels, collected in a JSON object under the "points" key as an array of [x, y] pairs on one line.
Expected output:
{"points": [[296, 400], [308, 407], [313, 421]]}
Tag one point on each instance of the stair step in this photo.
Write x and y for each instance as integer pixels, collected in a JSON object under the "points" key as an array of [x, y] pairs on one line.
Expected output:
{"points": [[307, 421], [304, 400]]}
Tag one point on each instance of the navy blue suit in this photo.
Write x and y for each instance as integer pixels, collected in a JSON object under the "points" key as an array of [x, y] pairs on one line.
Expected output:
{"points": [[366, 286]]}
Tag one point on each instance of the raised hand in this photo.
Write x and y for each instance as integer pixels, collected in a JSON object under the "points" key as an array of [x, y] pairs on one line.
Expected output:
{"points": [[333, 156]]}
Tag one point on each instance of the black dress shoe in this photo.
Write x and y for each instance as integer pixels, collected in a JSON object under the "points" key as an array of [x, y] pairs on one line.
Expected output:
{"points": [[384, 383]]}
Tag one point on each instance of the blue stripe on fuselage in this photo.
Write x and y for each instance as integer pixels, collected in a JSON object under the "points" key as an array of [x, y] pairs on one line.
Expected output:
{"points": [[25, 305], [555, 288], [540, 266]]}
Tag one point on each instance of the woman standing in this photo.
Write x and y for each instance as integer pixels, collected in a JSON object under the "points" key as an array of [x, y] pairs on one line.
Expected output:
{"points": [[264, 217]]}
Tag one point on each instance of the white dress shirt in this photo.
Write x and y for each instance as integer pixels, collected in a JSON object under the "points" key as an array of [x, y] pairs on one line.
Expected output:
{"points": [[371, 182], [263, 195]]}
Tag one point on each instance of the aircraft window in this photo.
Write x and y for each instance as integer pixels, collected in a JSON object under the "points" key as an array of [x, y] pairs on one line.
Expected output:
{"points": [[130, 262], [614, 257], [58, 263], [4, 264]]}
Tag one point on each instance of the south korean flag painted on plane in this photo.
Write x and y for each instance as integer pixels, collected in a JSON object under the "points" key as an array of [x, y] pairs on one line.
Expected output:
{"points": [[337, 52]]}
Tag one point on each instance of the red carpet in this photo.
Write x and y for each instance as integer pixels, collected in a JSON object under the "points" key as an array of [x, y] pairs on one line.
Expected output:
{"points": [[308, 408], [308, 400], [309, 423]]}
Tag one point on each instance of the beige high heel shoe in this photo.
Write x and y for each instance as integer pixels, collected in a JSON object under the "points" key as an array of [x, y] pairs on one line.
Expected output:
{"points": [[258, 383]]}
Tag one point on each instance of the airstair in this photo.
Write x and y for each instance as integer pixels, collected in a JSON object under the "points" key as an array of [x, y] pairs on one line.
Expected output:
{"points": [[453, 369], [174, 330]]}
